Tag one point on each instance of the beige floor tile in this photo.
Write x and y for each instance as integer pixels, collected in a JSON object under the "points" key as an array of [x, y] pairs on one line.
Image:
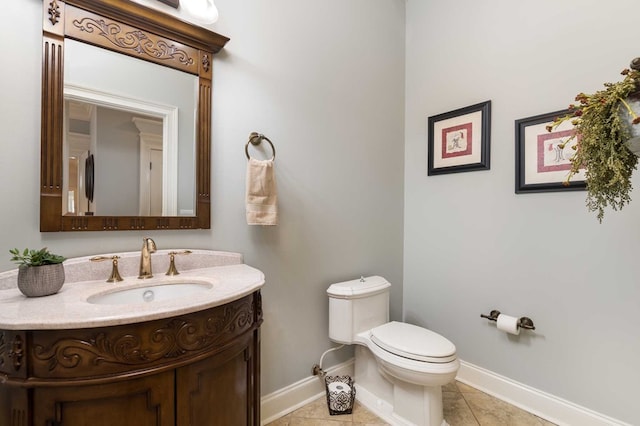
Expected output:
{"points": [[456, 411], [318, 422], [318, 410], [450, 387], [490, 411], [465, 388], [364, 417], [282, 421], [376, 423]]}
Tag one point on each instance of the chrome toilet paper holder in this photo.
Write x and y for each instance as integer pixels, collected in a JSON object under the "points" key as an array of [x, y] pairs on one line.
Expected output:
{"points": [[523, 322]]}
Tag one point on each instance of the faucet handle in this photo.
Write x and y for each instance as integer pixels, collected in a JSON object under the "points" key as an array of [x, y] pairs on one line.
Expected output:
{"points": [[172, 264], [115, 275]]}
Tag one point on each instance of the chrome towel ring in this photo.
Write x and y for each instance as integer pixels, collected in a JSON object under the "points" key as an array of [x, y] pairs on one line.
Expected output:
{"points": [[256, 139]]}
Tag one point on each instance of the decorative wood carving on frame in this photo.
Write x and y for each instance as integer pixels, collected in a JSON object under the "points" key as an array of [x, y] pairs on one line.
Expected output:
{"points": [[136, 40], [54, 12], [205, 62], [129, 40]]}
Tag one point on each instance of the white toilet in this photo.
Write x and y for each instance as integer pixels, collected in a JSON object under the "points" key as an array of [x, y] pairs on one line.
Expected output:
{"points": [[400, 368]]}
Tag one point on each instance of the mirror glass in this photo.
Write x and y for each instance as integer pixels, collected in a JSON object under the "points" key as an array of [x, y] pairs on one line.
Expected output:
{"points": [[136, 121]]}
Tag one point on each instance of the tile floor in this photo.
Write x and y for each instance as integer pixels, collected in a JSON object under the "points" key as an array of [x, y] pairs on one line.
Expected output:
{"points": [[463, 406]]}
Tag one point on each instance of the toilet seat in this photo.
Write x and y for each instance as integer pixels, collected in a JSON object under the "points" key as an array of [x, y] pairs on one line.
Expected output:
{"points": [[407, 369], [413, 342]]}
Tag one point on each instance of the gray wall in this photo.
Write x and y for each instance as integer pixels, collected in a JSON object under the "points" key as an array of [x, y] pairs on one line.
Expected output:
{"points": [[472, 244], [324, 80]]}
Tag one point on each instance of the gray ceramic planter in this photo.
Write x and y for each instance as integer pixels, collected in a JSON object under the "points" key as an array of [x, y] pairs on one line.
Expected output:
{"points": [[36, 281]]}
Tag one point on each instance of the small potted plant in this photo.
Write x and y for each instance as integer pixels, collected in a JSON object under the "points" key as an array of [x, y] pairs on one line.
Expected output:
{"points": [[605, 128], [40, 273]]}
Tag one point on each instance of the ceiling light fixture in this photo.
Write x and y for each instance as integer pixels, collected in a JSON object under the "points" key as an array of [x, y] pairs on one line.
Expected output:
{"points": [[203, 11]]}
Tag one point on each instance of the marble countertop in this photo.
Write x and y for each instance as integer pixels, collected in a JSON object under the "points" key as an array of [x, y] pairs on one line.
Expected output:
{"points": [[69, 308]]}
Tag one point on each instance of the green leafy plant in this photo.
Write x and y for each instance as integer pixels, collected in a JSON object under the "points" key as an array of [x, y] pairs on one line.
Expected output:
{"points": [[35, 257], [602, 131]]}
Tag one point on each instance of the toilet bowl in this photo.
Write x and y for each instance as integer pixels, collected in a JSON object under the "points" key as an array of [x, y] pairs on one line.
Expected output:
{"points": [[400, 368]]}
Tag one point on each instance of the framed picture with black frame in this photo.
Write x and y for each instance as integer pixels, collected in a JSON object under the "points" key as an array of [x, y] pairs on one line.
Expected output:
{"points": [[459, 140], [543, 157]]}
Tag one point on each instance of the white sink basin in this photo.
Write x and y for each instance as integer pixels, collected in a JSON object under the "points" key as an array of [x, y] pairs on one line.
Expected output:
{"points": [[150, 293]]}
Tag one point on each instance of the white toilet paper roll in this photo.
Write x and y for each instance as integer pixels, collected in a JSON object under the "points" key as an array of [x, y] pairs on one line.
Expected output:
{"points": [[509, 324], [339, 387]]}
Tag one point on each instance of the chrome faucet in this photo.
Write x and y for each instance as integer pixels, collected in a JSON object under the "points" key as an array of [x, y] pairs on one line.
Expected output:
{"points": [[148, 247]]}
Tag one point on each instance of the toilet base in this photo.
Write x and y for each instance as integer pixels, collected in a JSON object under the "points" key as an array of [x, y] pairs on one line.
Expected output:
{"points": [[383, 409], [397, 403]]}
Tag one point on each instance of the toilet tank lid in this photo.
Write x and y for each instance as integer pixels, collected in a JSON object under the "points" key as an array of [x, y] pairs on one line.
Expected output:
{"points": [[357, 288]]}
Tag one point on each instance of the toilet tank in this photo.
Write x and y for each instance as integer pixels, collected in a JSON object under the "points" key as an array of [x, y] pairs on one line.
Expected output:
{"points": [[356, 306]]}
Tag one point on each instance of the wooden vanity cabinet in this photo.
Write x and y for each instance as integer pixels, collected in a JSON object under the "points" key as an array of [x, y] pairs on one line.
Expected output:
{"points": [[199, 369], [145, 401]]}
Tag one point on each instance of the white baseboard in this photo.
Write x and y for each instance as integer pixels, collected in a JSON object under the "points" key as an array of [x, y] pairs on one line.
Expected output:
{"points": [[299, 394], [542, 404]]}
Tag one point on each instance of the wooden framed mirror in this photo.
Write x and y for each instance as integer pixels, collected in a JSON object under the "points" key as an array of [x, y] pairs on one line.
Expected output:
{"points": [[150, 74]]}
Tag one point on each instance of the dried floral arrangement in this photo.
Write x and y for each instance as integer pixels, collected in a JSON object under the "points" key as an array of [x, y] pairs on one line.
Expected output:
{"points": [[602, 123]]}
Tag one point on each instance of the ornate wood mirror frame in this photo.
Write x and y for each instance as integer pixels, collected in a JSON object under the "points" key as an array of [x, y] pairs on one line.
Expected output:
{"points": [[140, 32]]}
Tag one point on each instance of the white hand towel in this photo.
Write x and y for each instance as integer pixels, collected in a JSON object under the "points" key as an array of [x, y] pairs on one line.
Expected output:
{"points": [[261, 196]]}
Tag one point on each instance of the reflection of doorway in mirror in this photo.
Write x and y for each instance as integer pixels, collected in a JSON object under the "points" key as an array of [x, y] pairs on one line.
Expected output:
{"points": [[72, 192], [151, 167], [78, 124], [133, 197], [155, 183]]}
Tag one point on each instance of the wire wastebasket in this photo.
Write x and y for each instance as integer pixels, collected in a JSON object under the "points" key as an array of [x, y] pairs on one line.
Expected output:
{"points": [[341, 393]]}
